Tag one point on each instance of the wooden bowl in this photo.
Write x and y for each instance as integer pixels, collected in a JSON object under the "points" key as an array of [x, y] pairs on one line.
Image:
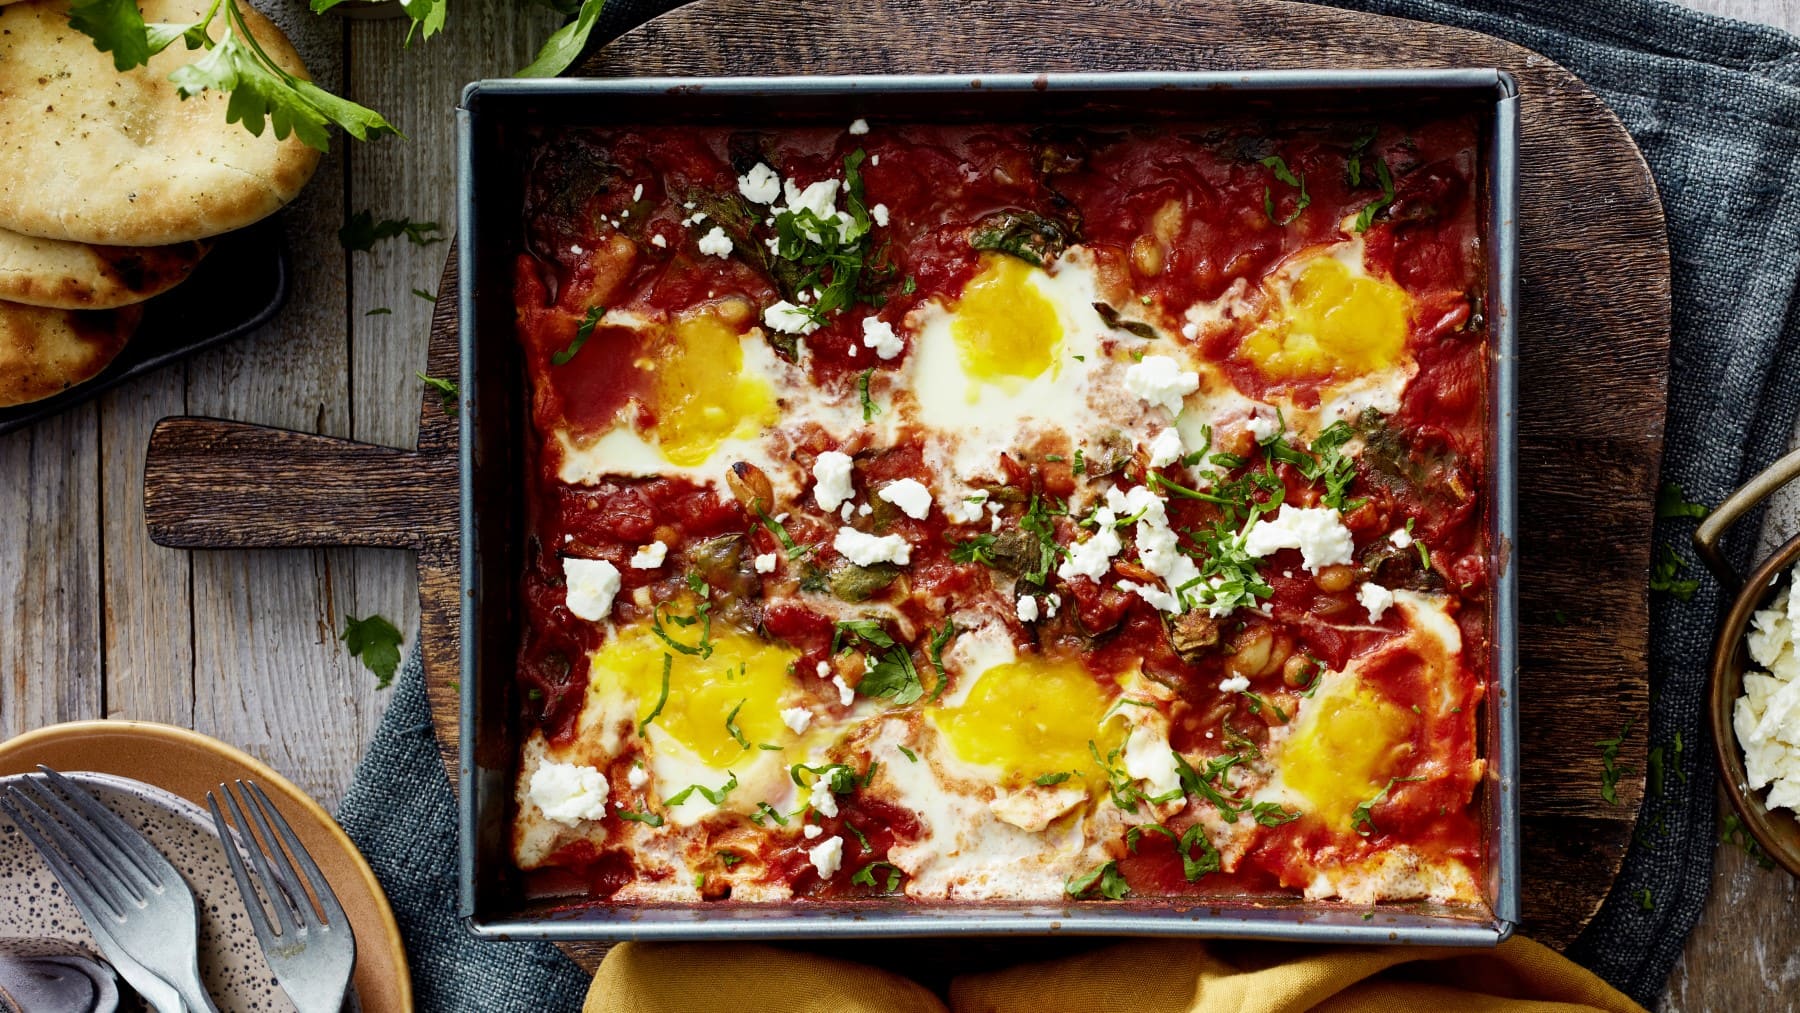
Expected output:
{"points": [[1777, 832]]}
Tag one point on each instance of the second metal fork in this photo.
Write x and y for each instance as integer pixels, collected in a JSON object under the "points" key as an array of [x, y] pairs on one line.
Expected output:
{"points": [[312, 956]]}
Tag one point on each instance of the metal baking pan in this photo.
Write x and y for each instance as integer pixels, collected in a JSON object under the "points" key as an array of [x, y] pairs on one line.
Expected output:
{"points": [[494, 119]]}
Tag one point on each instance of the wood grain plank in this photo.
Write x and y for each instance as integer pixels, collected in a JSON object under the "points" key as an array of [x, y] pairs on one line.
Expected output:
{"points": [[417, 88], [269, 673], [50, 633], [149, 662]]}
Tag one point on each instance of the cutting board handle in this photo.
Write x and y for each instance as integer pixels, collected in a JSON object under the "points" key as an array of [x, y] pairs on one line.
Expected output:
{"points": [[214, 484]]}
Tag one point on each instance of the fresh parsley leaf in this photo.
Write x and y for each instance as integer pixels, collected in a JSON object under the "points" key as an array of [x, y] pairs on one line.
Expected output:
{"points": [[647, 818], [1208, 861], [893, 676], [430, 297], [1646, 900], [1671, 503], [1046, 780], [1279, 167], [729, 859], [565, 45], [1609, 764], [1270, 814], [1353, 170], [1205, 783], [1732, 831], [362, 231], [765, 811], [909, 754], [662, 698], [376, 643], [427, 16], [447, 389], [1665, 576], [583, 331], [837, 776], [1106, 879], [1366, 216], [117, 27], [866, 630], [1362, 819]]}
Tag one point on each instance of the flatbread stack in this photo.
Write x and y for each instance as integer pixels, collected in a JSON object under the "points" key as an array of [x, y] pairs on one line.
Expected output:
{"points": [[112, 186]]}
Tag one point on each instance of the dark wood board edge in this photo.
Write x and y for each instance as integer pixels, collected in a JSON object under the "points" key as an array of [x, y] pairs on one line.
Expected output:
{"points": [[1593, 273]]}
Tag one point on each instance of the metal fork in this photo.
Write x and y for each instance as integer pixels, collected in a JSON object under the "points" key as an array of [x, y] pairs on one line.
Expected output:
{"points": [[312, 957], [127, 892]]}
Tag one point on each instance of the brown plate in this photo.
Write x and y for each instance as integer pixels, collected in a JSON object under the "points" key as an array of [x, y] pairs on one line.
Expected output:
{"points": [[188, 764], [1777, 832]]}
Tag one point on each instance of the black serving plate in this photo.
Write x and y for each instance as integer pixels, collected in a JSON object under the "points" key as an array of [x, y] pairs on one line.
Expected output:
{"points": [[236, 288]]}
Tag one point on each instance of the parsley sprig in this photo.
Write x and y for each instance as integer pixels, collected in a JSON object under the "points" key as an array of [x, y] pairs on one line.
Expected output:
{"points": [[1106, 880]]}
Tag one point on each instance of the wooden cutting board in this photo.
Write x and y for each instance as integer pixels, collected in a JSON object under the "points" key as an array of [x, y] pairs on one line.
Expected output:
{"points": [[1594, 341]]}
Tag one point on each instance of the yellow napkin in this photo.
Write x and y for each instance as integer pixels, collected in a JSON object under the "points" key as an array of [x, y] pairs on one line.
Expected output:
{"points": [[1150, 976]]}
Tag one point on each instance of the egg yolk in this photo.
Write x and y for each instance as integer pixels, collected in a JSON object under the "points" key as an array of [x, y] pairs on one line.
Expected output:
{"points": [[1032, 717], [699, 394], [1347, 744], [1326, 320], [1006, 331], [739, 687]]}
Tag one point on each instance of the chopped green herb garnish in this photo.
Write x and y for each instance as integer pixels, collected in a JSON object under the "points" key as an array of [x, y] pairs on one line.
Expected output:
{"points": [[430, 297], [731, 728], [1366, 216], [866, 876], [728, 859], [909, 754], [583, 331], [1646, 900], [647, 818], [447, 390], [936, 653], [1362, 818], [713, 795], [1046, 780], [869, 408], [1665, 576], [362, 232], [975, 550], [766, 811], [662, 698], [1279, 167], [376, 643], [1106, 880], [1609, 768]]}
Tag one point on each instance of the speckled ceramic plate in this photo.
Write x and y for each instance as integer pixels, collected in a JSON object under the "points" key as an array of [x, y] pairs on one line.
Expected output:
{"points": [[181, 766]]}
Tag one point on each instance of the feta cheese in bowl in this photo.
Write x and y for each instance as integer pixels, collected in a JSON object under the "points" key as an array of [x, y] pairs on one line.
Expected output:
{"points": [[1767, 714]]}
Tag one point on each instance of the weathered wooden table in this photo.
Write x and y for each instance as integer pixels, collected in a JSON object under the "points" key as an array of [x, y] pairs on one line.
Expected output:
{"points": [[244, 645]]}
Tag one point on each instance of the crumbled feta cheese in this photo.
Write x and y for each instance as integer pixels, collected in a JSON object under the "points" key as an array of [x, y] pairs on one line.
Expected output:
{"points": [[823, 669], [1767, 715], [879, 335], [1235, 684], [760, 185], [1401, 538], [821, 199], [1027, 609], [568, 793], [864, 510], [765, 562], [859, 126], [1316, 531], [1092, 558], [822, 800], [591, 586], [1190, 331], [637, 192], [1159, 380], [966, 511], [1166, 448], [832, 473], [1147, 757], [796, 718], [910, 495], [1156, 596], [812, 832], [788, 318], [846, 695], [880, 213], [827, 856], [874, 159], [867, 550], [1264, 425], [1157, 544], [576, 250], [851, 349], [650, 557], [846, 511], [716, 243], [1376, 599], [1052, 602], [659, 242]]}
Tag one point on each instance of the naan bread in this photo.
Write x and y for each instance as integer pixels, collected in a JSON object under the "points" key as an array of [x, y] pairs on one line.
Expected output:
{"points": [[77, 276], [95, 156], [46, 351]]}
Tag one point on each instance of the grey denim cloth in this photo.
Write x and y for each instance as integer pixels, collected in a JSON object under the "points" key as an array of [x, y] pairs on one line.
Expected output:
{"points": [[1715, 106]]}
